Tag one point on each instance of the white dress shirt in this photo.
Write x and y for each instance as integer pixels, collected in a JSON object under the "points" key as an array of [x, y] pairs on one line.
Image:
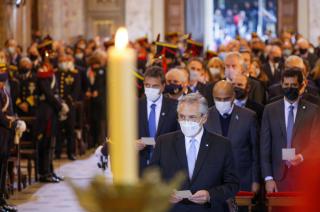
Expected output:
{"points": [[197, 143], [158, 103], [241, 102]]}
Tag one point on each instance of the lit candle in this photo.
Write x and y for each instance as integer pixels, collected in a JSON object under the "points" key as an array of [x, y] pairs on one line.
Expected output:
{"points": [[122, 110]]}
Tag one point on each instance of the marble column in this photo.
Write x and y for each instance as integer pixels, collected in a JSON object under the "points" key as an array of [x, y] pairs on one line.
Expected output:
{"points": [[138, 18], [314, 21]]}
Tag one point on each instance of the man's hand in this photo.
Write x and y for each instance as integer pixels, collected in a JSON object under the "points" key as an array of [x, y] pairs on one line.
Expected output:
{"points": [[297, 160], [24, 107], [200, 197], [88, 94], [255, 187], [174, 199], [271, 186], [95, 94], [140, 145]]}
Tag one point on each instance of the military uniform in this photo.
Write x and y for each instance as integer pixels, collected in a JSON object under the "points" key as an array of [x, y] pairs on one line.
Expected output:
{"points": [[68, 88], [47, 112], [27, 89], [7, 126]]}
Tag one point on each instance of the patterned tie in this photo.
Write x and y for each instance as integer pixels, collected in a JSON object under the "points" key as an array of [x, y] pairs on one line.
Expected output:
{"points": [[152, 121], [191, 157], [290, 123]]}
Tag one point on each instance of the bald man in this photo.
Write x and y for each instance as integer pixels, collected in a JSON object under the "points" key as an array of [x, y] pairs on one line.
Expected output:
{"points": [[274, 65], [303, 46], [310, 91], [177, 82], [239, 125], [234, 65]]}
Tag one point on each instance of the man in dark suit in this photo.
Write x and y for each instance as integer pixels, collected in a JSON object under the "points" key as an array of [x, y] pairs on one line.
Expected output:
{"points": [[274, 65], [290, 122], [304, 46], [204, 157], [241, 89], [310, 93], [177, 83], [239, 125], [157, 113], [234, 65]]}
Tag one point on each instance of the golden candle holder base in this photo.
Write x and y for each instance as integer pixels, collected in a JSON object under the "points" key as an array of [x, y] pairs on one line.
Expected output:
{"points": [[151, 194]]}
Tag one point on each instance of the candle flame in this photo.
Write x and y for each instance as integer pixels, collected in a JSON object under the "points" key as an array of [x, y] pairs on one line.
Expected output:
{"points": [[121, 39]]}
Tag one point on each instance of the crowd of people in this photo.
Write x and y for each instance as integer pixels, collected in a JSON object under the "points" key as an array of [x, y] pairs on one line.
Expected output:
{"points": [[244, 103]]}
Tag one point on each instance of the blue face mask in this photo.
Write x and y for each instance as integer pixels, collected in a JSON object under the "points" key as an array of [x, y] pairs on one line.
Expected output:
{"points": [[3, 77], [222, 55], [172, 89]]}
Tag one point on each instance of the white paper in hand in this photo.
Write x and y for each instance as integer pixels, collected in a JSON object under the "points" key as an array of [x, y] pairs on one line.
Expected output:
{"points": [[148, 140], [185, 194], [288, 153]]}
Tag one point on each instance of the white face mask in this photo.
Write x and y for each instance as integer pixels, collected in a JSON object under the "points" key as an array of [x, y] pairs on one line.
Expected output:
{"points": [[63, 66], [214, 71], [194, 75], [152, 94], [228, 73], [190, 128], [70, 66], [12, 50], [223, 107]]}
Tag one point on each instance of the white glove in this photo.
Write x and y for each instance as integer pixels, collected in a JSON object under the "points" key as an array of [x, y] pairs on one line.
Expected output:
{"points": [[65, 109], [20, 129], [21, 126]]}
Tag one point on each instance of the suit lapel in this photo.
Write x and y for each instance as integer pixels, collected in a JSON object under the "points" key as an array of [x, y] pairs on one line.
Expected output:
{"points": [[300, 112], [180, 147], [202, 154], [282, 120], [144, 116], [163, 113], [215, 121], [233, 122]]}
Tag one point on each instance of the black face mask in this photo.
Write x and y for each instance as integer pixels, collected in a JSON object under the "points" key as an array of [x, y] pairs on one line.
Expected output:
{"points": [[33, 57], [303, 51], [276, 59], [240, 93], [172, 89], [291, 93], [255, 51], [24, 70]]}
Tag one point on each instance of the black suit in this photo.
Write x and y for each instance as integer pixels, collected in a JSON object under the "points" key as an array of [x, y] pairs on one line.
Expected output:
{"points": [[214, 169], [257, 91], [167, 123], [243, 136], [274, 135], [272, 78], [256, 107]]}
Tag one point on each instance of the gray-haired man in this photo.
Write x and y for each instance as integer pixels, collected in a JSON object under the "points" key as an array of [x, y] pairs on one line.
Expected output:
{"points": [[206, 159]]}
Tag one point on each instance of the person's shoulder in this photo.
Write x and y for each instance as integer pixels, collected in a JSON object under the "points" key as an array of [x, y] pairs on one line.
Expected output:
{"points": [[217, 139], [169, 101], [245, 111], [311, 106], [169, 137]]}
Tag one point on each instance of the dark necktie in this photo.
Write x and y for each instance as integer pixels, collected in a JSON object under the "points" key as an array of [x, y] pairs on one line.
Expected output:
{"points": [[290, 123]]}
